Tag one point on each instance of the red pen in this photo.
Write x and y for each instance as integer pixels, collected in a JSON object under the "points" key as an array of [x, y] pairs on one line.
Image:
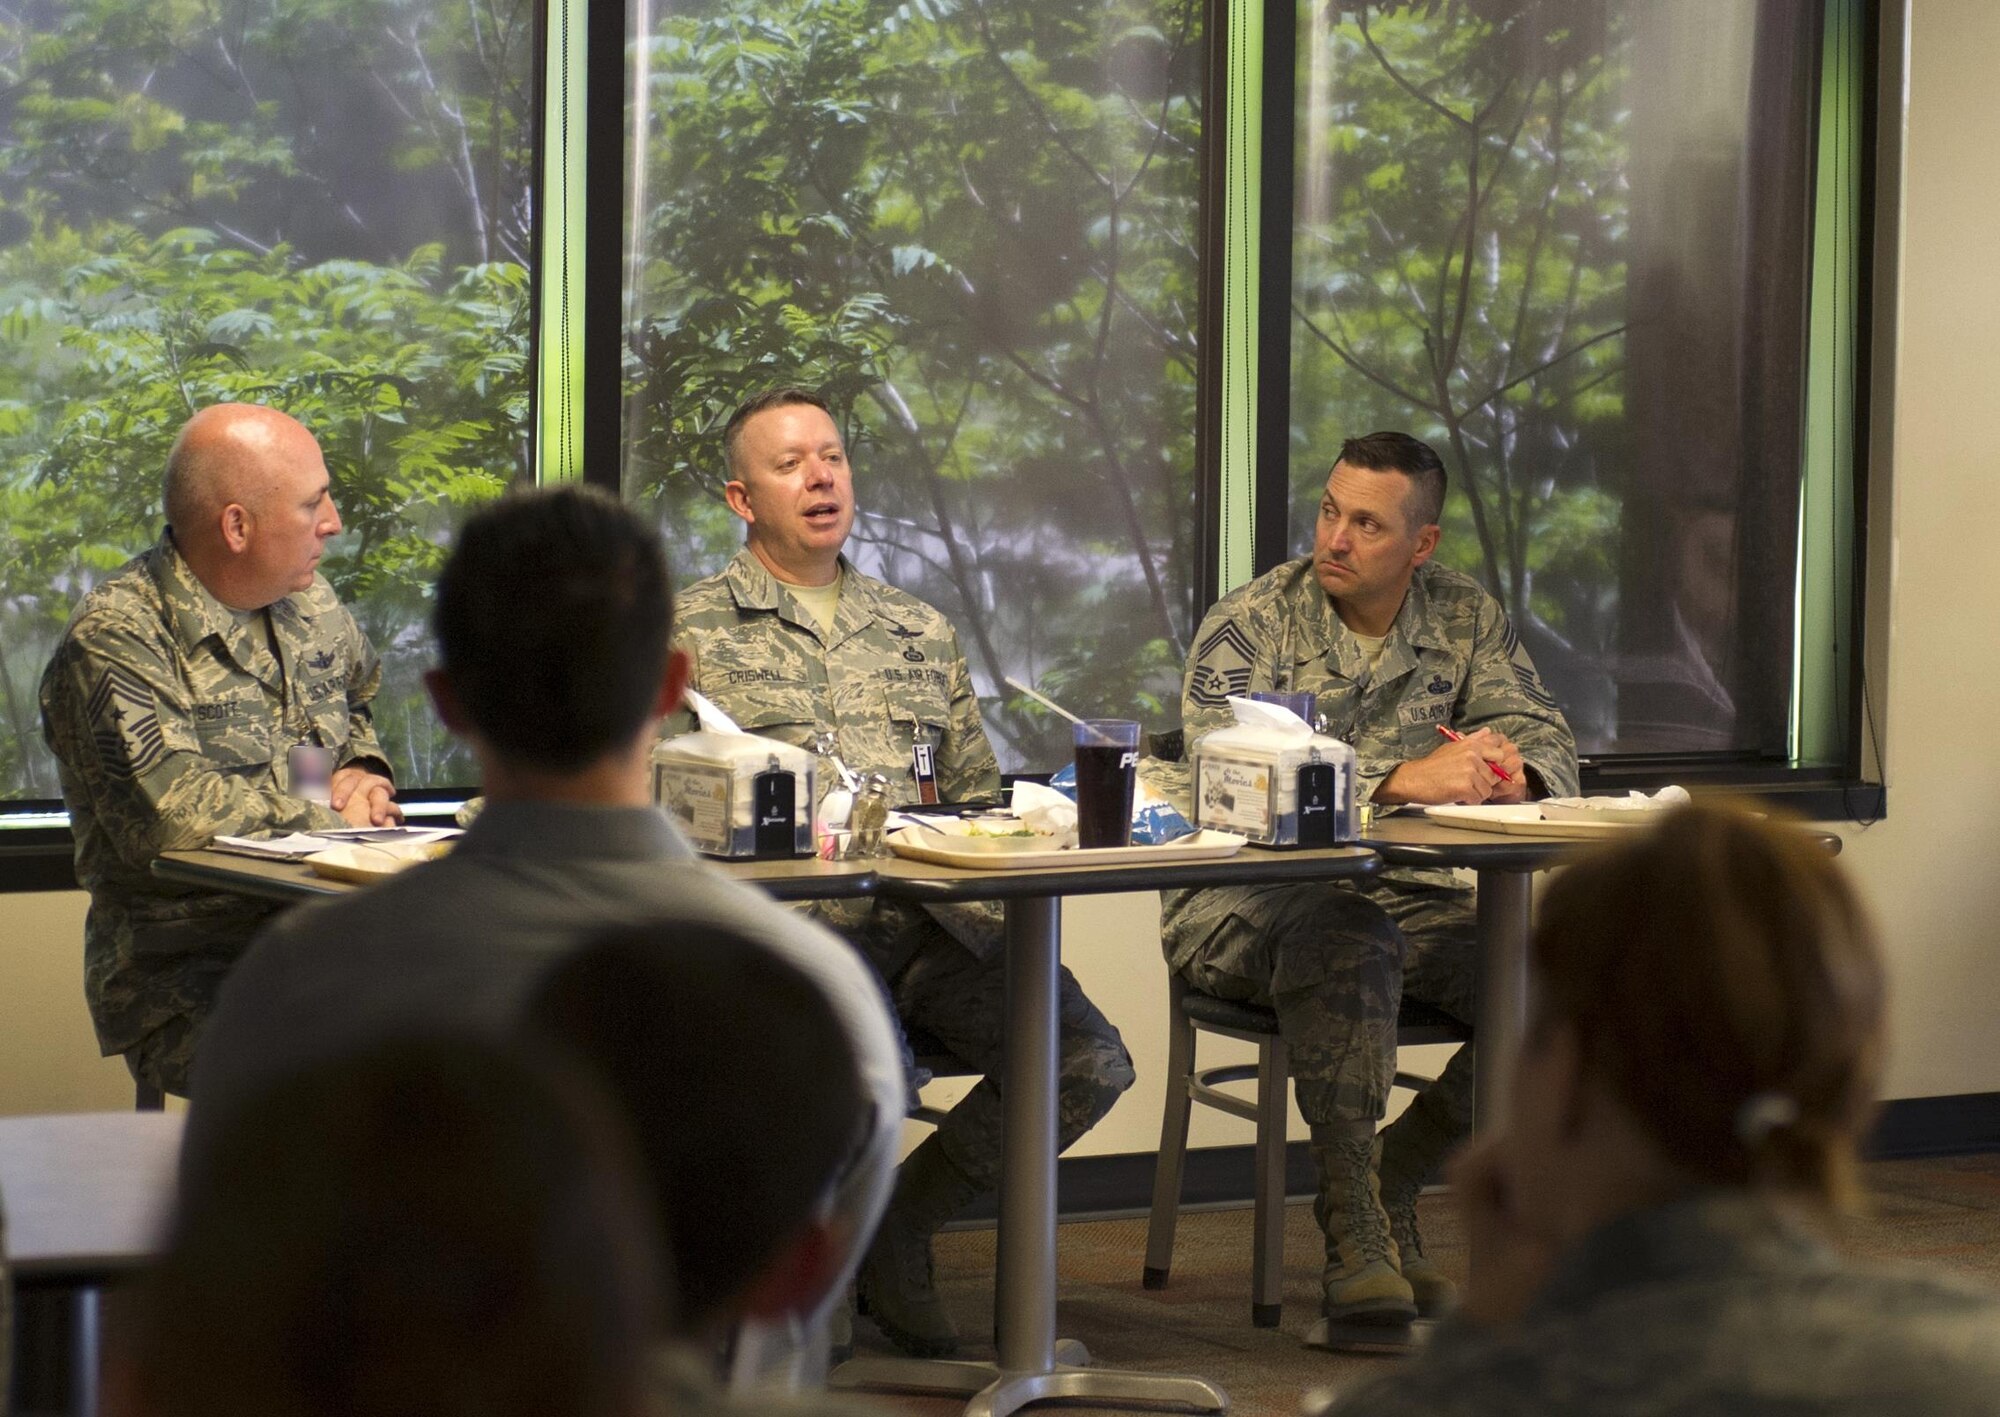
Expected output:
{"points": [[1455, 737]]}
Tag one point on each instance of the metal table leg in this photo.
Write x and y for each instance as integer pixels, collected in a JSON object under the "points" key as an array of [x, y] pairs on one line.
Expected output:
{"points": [[1033, 1366], [86, 1354], [1506, 901]]}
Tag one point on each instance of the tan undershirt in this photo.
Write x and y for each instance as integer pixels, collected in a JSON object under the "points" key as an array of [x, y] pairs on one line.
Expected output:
{"points": [[822, 602], [1371, 650]]}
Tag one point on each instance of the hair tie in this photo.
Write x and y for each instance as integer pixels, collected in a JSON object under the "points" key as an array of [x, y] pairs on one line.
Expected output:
{"points": [[1763, 1113]]}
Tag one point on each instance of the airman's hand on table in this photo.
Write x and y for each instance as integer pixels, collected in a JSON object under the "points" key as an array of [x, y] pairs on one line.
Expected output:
{"points": [[1460, 772], [1513, 1261], [366, 799]]}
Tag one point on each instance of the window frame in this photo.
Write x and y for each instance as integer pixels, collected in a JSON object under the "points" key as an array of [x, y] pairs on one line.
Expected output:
{"points": [[1844, 789]]}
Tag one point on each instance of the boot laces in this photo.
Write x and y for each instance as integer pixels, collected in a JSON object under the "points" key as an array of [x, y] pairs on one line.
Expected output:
{"points": [[1365, 1230], [1401, 1206]]}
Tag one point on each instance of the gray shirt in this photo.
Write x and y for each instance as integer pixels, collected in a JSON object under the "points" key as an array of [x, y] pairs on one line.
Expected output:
{"points": [[460, 943], [1717, 1304]]}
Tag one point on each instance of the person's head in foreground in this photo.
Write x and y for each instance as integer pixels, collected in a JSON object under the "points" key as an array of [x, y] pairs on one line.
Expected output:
{"points": [[1708, 1013], [554, 621], [740, 1085], [1652, 1223], [428, 1229]]}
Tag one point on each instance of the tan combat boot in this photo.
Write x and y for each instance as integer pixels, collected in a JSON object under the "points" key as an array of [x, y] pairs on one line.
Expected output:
{"points": [[896, 1284], [1361, 1283], [1435, 1294]]}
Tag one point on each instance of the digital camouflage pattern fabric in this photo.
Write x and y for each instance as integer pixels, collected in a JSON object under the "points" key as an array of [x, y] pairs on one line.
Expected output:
{"points": [[1318, 955], [1451, 658], [1719, 1304], [170, 716], [889, 675]]}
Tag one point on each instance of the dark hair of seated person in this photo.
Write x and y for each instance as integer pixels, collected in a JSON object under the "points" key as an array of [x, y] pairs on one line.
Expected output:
{"points": [[739, 1083], [1715, 964], [554, 618], [429, 1229]]}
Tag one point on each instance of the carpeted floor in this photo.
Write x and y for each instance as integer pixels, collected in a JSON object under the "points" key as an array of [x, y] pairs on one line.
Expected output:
{"points": [[1944, 1212]]}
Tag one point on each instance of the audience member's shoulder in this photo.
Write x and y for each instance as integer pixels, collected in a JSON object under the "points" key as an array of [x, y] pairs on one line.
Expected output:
{"points": [[1942, 1326]]}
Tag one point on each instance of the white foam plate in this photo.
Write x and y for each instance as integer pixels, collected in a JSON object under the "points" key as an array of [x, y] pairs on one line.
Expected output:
{"points": [[1526, 819], [925, 844]]}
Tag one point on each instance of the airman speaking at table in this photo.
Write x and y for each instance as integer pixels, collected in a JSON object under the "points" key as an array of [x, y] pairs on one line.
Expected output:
{"points": [[175, 703], [794, 643], [1394, 648]]}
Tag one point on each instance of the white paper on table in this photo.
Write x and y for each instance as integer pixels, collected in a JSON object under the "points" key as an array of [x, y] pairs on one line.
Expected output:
{"points": [[384, 836], [1045, 810], [296, 846]]}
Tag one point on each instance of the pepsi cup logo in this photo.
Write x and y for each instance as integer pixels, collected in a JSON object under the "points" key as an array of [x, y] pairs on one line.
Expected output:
{"points": [[1129, 760]]}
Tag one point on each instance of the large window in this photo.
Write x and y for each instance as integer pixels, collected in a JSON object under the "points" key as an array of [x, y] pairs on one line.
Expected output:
{"points": [[973, 224], [1568, 242], [1572, 242], [324, 207]]}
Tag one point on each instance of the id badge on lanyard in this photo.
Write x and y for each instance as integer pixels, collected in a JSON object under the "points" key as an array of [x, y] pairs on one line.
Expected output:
{"points": [[923, 766]]}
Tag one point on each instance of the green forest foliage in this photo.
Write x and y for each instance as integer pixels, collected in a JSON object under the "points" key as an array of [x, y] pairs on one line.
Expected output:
{"points": [[316, 204], [1459, 271], [974, 225]]}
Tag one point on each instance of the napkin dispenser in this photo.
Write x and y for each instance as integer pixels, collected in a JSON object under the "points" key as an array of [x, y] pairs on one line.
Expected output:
{"points": [[738, 795], [1272, 780]]}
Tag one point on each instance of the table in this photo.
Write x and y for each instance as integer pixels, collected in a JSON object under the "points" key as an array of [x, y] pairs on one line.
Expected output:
{"points": [[294, 880], [85, 1198], [1030, 1367], [1504, 866]]}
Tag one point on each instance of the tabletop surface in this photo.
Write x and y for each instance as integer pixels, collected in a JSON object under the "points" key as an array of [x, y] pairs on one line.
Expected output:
{"points": [[86, 1195], [1409, 838], [902, 878], [799, 879], [810, 879]]}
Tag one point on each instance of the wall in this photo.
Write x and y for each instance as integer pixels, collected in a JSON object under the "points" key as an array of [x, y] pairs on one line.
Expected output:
{"points": [[1930, 869], [48, 1054], [1934, 578]]}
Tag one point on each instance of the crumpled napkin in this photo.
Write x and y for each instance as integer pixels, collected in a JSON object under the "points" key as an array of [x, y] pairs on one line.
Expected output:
{"points": [[1046, 810]]}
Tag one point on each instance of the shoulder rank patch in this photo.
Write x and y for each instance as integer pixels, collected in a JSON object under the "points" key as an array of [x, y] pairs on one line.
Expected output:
{"points": [[1222, 665], [125, 723], [1525, 674]]}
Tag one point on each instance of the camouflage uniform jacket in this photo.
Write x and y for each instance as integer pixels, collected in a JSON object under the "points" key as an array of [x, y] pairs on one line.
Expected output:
{"points": [[170, 719], [1451, 658], [888, 675], [1714, 1304]]}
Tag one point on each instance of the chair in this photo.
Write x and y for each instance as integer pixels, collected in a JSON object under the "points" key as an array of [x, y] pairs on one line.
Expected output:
{"points": [[1190, 1013]]}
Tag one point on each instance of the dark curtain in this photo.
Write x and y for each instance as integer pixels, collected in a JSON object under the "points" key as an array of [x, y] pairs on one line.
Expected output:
{"points": [[1721, 230]]}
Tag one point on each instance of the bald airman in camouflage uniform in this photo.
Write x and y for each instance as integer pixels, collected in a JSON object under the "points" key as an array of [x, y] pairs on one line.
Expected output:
{"points": [[1334, 960], [794, 643], [171, 715]]}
